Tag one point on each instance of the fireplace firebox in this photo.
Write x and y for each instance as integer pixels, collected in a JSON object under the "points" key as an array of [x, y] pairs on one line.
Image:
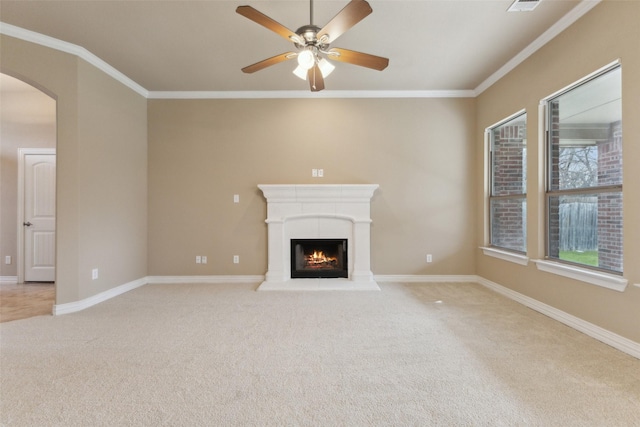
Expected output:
{"points": [[319, 258]]}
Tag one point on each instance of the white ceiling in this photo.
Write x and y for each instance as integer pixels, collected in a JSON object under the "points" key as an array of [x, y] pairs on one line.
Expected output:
{"points": [[201, 45]]}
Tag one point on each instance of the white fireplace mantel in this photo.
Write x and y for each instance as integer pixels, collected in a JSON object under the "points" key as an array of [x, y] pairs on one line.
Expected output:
{"points": [[333, 211]]}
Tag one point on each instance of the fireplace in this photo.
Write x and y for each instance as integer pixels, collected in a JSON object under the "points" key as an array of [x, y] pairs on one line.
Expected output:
{"points": [[326, 214], [319, 258]]}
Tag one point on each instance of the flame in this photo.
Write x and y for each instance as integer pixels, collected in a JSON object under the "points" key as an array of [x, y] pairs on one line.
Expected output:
{"points": [[319, 259]]}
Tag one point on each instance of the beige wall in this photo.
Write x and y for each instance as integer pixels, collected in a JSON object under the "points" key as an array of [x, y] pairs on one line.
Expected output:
{"points": [[202, 152], [101, 173], [19, 131], [609, 32]]}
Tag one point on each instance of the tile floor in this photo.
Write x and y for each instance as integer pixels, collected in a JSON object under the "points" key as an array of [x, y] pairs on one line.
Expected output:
{"points": [[20, 301]]}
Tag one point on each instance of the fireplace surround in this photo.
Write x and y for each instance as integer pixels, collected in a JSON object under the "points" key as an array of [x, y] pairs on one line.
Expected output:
{"points": [[308, 211]]}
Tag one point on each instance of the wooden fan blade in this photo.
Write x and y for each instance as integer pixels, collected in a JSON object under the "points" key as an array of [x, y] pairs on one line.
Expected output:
{"points": [[316, 81], [262, 19], [269, 62], [358, 58], [352, 13]]}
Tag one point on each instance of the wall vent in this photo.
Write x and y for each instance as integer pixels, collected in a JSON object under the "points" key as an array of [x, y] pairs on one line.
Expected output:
{"points": [[523, 5]]}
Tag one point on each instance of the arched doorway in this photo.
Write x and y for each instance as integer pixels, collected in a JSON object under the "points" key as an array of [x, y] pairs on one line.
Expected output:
{"points": [[28, 127]]}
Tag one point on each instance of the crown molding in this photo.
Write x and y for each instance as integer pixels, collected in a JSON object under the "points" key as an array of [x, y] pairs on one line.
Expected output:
{"points": [[31, 36], [565, 22], [62, 46]]}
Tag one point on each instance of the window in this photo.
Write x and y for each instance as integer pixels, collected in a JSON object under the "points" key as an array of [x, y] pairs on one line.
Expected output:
{"points": [[508, 184], [584, 173]]}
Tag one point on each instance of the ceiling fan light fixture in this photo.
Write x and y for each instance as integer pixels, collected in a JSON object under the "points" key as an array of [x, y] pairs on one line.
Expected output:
{"points": [[306, 59], [326, 67], [301, 72]]}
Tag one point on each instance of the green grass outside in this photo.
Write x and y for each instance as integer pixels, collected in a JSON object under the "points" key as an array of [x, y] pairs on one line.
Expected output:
{"points": [[586, 258]]}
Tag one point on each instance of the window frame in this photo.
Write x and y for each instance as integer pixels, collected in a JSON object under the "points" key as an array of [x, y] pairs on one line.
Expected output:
{"points": [[592, 190], [502, 251]]}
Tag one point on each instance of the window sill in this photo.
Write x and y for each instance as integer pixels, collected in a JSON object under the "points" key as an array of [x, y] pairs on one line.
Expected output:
{"points": [[506, 255], [605, 280]]}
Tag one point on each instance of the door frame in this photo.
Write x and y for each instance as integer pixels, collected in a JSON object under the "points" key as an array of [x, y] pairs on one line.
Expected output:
{"points": [[22, 153]]}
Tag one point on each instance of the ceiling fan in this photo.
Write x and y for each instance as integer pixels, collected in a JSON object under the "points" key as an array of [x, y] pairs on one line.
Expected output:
{"points": [[312, 44]]}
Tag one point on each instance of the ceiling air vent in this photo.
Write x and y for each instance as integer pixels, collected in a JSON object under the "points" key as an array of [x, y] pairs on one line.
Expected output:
{"points": [[523, 5]]}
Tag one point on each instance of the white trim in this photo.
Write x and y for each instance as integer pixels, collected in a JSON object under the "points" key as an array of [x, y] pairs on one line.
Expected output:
{"points": [[506, 255], [565, 22], [22, 153], [203, 279], [79, 51], [8, 280], [605, 280], [295, 94], [72, 307], [414, 278], [614, 340]]}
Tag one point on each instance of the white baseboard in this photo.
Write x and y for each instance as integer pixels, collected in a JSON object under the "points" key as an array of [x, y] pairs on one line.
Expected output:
{"points": [[411, 278], [9, 280], [204, 279], [614, 340], [72, 307]]}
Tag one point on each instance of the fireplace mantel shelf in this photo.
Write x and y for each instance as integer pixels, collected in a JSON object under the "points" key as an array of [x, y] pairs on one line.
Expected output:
{"points": [[309, 211], [287, 193]]}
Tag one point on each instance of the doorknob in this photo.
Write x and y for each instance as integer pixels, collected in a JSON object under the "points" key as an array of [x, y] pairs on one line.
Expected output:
{"points": [[27, 224]]}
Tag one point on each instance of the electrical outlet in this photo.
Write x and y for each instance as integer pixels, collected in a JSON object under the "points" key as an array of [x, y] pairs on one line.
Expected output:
{"points": [[198, 259], [204, 259], [320, 173], [7, 259], [314, 173], [94, 274], [429, 258], [236, 259], [236, 198]]}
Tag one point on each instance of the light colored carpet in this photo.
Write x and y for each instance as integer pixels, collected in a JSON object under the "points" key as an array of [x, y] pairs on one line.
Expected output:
{"points": [[450, 354]]}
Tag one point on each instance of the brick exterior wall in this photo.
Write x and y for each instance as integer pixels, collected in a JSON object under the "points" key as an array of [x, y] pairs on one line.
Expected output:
{"points": [[610, 204], [554, 202], [508, 218]]}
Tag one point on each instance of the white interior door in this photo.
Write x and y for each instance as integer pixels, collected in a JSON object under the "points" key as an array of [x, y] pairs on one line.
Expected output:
{"points": [[39, 218]]}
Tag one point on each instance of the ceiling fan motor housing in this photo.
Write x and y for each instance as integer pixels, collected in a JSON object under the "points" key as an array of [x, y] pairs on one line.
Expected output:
{"points": [[308, 33]]}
